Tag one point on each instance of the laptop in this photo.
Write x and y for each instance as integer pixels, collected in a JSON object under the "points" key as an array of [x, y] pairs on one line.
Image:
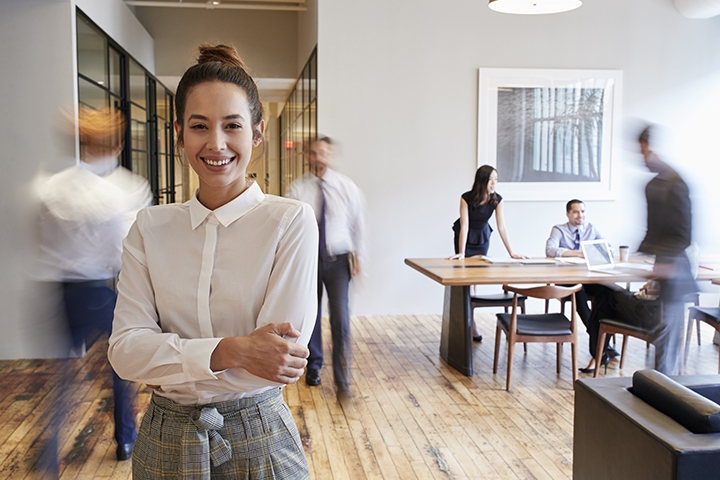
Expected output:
{"points": [[599, 258], [598, 255]]}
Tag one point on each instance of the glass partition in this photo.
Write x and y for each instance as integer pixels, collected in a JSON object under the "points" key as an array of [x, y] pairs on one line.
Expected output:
{"points": [[109, 76], [298, 124]]}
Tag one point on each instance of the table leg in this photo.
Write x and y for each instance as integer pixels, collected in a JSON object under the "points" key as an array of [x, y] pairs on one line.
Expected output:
{"points": [[456, 336]]}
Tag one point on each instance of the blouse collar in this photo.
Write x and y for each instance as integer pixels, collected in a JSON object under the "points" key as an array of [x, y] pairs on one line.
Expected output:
{"points": [[229, 212]]}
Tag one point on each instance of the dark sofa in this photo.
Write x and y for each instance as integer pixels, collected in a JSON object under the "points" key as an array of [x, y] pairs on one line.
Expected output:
{"points": [[618, 435]]}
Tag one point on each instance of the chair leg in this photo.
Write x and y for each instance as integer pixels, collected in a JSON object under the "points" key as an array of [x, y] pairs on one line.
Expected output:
{"points": [[547, 305], [511, 351], [525, 347], [573, 350], [498, 332], [688, 336], [599, 352], [697, 324], [559, 357], [624, 349]]}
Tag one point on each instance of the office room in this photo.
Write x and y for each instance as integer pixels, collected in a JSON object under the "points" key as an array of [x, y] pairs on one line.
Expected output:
{"points": [[398, 89]]}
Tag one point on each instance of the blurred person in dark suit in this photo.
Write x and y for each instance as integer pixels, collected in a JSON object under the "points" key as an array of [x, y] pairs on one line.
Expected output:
{"points": [[668, 235]]}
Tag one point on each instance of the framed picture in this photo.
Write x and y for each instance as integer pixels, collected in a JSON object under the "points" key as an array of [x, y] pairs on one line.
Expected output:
{"points": [[551, 134]]}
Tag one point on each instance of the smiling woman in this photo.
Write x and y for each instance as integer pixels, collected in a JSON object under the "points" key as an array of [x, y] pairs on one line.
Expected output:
{"points": [[218, 137], [217, 298]]}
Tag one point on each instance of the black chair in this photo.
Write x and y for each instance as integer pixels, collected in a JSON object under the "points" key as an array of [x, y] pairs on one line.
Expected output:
{"points": [[709, 315], [504, 300], [610, 327], [544, 327], [693, 298]]}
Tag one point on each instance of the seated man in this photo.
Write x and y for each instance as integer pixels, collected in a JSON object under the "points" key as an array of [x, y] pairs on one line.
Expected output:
{"points": [[565, 241], [640, 309]]}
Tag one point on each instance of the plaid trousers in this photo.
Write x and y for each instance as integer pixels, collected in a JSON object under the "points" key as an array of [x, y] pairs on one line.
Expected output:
{"points": [[249, 438]]}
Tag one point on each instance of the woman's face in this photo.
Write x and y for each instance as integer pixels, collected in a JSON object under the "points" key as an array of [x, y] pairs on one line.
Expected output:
{"points": [[492, 181], [217, 136]]}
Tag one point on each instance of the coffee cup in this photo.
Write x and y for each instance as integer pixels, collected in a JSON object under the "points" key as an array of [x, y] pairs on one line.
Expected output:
{"points": [[624, 253]]}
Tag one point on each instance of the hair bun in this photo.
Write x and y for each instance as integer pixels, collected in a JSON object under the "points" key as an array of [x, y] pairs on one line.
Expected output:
{"points": [[220, 53]]}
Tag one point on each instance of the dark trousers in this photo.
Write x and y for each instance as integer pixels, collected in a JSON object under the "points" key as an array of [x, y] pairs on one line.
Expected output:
{"points": [[581, 302], [89, 309], [334, 274]]}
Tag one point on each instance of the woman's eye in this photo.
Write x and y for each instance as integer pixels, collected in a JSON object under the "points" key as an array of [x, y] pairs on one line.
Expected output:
{"points": [[198, 126], [234, 125]]}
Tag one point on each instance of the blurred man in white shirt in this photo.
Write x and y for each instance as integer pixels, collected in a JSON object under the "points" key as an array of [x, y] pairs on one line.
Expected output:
{"points": [[85, 213], [338, 206]]}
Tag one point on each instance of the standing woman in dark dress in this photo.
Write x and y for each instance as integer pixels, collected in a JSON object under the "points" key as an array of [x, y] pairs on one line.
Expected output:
{"points": [[472, 230]]}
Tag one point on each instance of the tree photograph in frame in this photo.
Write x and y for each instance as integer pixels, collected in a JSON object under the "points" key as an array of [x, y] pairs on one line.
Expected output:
{"points": [[550, 133]]}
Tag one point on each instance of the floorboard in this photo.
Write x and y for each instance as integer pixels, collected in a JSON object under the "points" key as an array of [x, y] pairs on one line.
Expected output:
{"points": [[410, 415]]}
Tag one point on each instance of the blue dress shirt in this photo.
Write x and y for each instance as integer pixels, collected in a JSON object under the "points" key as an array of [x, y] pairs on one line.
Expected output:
{"points": [[563, 236]]}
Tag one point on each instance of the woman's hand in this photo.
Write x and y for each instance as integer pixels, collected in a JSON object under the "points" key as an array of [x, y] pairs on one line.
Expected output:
{"points": [[517, 256], [457, 256], [264, 353]]}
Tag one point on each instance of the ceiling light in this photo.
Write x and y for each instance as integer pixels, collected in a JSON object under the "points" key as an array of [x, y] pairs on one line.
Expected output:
{"points": [[533, 7]]}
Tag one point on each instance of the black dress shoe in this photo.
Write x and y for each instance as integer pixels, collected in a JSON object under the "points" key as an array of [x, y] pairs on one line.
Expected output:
{"points": [[312, 377], [603, 362], [477, 339], [124, 451], [612, 353]]}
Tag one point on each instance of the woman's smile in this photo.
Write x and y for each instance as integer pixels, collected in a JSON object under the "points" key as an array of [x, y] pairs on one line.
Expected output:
{"points": [[217, 162]]}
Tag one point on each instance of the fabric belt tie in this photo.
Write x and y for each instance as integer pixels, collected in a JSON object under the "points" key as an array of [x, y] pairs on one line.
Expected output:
{"points": [[208, 421]]}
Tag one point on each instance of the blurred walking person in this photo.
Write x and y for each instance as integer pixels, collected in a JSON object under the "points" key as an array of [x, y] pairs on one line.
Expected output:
{"points": [[338, 206], [669, 233], [85, 213]]}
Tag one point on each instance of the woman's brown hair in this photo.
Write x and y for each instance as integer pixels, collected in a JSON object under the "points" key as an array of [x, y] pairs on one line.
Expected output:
{"points": [[219, 63], [479, 194]]}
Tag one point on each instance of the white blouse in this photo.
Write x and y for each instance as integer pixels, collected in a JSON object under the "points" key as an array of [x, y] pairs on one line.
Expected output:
{"points": [[191, 276]]}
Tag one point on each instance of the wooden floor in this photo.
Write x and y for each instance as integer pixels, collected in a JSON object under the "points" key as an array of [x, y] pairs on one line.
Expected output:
{"points": [[410, 415]]}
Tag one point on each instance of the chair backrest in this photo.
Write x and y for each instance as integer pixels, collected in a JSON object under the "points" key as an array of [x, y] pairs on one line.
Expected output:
{"points": [[546, 291]]}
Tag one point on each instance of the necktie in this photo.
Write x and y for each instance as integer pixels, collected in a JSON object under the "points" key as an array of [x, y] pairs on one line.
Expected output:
{"points": [[321, 219], [577, 240]]}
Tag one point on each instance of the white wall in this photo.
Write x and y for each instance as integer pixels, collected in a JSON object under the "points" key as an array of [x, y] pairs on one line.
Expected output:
{"points": [[307, 33], [398, 88], [37, 81]]}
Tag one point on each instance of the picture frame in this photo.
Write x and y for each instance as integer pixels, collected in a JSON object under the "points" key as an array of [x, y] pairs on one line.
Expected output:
{"points": [[552, 134]]}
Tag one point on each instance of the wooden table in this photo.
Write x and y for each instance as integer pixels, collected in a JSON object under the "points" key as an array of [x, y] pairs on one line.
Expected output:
{"points": [[458, 275]]}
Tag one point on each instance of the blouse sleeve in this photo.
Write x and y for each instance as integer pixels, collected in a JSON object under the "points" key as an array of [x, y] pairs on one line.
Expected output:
{"points": [[292, 289], [139, 350]]}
